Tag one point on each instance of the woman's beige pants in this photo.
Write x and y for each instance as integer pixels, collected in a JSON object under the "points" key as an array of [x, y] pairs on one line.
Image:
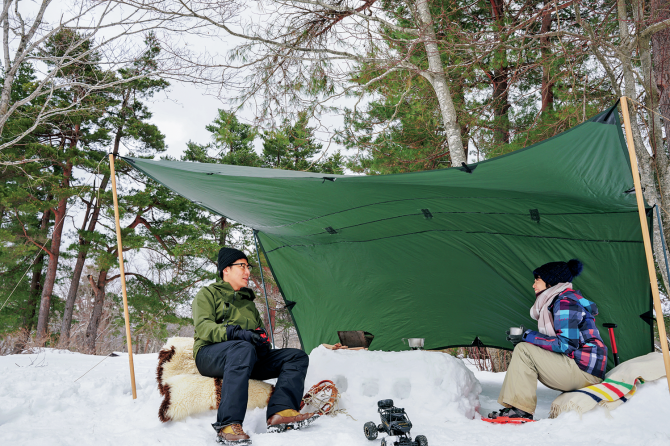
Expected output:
{"points": [[531, 363]]}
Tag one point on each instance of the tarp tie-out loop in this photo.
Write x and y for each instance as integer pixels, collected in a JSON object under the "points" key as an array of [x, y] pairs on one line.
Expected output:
{"points": [[535, 215]]}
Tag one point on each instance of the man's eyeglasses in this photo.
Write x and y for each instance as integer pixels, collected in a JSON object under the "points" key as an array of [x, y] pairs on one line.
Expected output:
{"points": [[244, 265]]}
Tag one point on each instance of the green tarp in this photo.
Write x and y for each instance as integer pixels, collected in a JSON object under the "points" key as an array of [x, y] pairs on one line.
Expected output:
{"points": [[447, 254]]}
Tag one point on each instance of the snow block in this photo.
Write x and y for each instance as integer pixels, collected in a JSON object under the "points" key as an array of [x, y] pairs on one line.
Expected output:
{"points": [[426, 384]]}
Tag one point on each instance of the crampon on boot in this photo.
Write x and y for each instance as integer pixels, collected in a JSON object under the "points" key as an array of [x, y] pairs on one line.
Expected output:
{"points": [[233, 435], [509, 416], [290, 419]]}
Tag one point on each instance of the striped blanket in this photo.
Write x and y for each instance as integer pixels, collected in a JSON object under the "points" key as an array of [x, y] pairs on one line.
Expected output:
{"points": [[619, 386]]}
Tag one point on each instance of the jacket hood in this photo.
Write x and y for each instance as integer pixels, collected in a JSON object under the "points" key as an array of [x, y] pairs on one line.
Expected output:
{"points": [[245, 293], [588, 305]]}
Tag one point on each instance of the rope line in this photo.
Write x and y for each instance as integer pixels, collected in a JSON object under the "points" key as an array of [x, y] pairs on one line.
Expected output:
{"points": [[93, 367], [648, 109]]}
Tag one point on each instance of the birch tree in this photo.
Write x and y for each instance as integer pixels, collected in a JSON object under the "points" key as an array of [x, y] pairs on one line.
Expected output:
{"points": [[625, 53], [302, 54]]}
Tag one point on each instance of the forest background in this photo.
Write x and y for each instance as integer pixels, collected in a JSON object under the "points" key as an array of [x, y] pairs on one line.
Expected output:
{"points": [[412, 85]]}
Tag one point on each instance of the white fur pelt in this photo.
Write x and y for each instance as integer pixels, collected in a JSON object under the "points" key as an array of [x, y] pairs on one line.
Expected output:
{"points": [[185, 392]]}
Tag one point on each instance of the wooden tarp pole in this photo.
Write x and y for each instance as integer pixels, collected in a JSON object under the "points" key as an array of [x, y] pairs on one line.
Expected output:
{"points": [[123, 277], [647, 240]]}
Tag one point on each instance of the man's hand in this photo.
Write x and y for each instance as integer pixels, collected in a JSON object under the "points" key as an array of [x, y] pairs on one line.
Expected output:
{"points": [[258, 337], [515, 339], [263, 335], [235, 333], [265, 344]]}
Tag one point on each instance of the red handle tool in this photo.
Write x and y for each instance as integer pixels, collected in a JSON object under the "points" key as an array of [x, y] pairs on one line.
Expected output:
{"points": [[615, 353]]}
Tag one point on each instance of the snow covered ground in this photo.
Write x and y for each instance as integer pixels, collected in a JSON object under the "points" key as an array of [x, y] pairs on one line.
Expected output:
{"points": [[41, 404]]}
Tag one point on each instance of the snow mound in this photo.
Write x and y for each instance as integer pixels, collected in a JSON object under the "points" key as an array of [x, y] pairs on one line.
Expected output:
{"points": [[424, 383], [42, 405]]}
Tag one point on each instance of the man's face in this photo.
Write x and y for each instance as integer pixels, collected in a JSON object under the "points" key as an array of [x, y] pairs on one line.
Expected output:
{"points": [[237, 275]]}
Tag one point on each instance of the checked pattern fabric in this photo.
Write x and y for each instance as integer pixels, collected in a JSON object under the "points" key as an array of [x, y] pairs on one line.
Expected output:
{"points": [[576, 334]]}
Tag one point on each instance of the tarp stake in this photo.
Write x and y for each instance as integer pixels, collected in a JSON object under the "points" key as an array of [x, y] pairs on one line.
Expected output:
{"points": [[663, 337], [267, 305], [123, 276]]}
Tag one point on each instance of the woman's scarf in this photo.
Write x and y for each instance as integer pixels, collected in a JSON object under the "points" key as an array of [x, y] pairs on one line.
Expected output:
{"points": [[540, 309]]}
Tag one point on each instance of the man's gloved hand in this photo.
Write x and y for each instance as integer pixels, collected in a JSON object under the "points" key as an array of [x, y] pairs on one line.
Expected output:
{"points": [[265, 343], [236, 333], [515, 339], [260, 331], [258, 337]]}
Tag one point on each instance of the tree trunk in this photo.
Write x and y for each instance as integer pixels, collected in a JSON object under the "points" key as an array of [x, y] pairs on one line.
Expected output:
{"points": [[85, 244], [646, 163], [660, 45], [500, 80], [438, 80], [501, 105], [656, 78], [64, 339], [96, 313], [222, 234], [547, 83], [54, 255], [644, 160], [35, 288], [660, 42], [36, 281]]}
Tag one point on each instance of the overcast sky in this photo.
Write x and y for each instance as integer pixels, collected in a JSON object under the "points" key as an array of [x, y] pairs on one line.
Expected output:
{"points": [[183, 111], [182, 114]]}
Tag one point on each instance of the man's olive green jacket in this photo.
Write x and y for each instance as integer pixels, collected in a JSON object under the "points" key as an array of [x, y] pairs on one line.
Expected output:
{"points": [[217, 306]]}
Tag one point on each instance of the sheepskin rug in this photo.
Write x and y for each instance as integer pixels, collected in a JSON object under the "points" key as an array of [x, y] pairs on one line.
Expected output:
{"points": [[186, 392]]}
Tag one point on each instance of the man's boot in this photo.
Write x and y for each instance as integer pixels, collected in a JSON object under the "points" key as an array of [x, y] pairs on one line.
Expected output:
{"points": [[290, 419], [233, 435]]}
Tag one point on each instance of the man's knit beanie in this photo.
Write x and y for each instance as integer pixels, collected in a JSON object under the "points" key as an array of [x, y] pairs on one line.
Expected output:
{"points": [[554, 273], [228, 256]]}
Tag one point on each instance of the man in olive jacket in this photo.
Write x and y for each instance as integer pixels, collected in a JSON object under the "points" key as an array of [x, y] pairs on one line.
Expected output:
{"points": [[231, 344]]}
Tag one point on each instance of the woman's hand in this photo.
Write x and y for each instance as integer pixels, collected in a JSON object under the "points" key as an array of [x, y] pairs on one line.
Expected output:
{"points": [[514, 338]]}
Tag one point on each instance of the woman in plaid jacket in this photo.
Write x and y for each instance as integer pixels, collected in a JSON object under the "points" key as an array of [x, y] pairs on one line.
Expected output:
{"points": [[565, 353]]}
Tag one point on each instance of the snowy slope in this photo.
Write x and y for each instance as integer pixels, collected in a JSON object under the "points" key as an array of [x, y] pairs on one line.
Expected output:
{"points": [[40, 404]]}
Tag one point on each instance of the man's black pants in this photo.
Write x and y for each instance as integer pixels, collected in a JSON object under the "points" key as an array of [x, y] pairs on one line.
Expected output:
{"points": [[237, 361]]}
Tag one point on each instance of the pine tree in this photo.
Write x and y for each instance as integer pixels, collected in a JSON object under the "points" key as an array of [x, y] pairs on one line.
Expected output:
{"points": [[127, 120], [294, 147], [232, 143]]}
